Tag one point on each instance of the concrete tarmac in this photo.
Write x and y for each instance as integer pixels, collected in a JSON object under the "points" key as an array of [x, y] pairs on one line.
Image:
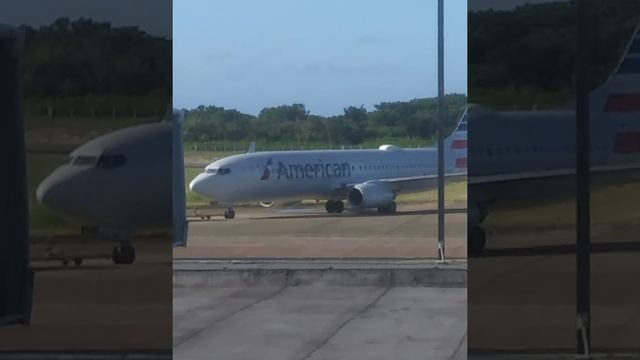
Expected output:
{"points": [[319, 322], [310, 232]]}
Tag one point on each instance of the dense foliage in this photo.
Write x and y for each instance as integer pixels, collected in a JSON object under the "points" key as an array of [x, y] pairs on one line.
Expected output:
{"points": [[526, 57], [88, 68], [415, 119]]}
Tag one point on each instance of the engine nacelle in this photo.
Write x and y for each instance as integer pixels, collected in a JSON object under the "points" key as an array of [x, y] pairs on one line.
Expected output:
{"points": [[371, 194], [267, 204]]}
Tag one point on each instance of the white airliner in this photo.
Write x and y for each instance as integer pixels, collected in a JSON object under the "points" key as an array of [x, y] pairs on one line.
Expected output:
{"points": [[366, 178], [118, 183], [514, 152]]}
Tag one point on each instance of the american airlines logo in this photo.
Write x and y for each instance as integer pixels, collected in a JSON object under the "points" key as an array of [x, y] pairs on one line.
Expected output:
{"points": [[267, 170], [317, 170], [313, 171]]}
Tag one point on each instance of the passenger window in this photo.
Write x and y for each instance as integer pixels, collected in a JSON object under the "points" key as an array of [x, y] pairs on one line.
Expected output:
{"points": [[224, 171]]}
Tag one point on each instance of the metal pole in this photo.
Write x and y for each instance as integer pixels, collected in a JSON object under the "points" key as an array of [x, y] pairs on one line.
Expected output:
{"points": [[441, 119], [16, 277], [583, 136], [179, 210]]}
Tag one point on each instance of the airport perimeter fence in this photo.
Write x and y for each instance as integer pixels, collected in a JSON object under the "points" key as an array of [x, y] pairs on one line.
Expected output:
{"points": [[235, 147]]}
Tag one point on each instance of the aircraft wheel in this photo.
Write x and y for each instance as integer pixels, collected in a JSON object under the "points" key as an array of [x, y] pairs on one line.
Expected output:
{"points": [[330, 206], [389, 209], [477, 240], [339, 206], [483, 211], [124, 254], [65, 262], [229, 214], [77, 261]]}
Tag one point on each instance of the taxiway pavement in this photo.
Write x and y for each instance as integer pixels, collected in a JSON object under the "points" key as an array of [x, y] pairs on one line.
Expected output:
{"points": [[310, 232]]}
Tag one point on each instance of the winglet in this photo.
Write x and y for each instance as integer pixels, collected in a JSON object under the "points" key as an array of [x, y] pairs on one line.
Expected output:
{"points": [[620, 94], [252, 147]]}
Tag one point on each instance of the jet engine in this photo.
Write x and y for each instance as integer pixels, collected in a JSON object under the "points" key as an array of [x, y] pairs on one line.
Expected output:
{"points": [[371, 194]]}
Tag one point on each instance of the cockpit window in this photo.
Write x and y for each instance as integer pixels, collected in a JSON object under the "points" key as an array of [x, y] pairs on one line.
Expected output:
{"points": [[111, 161], [218, 171], [84, 160]]}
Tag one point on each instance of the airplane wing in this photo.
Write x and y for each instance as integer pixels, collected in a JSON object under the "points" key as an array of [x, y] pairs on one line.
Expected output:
{"points": [[547, 174], [410, 183], [421, 182]]}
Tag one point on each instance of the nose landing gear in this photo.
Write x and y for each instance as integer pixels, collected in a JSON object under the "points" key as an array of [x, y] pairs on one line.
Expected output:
{"points": [[229, 213], [123, 254]]}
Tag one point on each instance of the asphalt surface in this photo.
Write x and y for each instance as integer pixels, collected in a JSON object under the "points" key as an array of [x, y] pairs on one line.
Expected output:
{"points": [[98, 306], [309, 232], [523, 289]]}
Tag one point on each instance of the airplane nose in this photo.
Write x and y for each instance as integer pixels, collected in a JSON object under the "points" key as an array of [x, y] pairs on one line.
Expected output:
{"points": [[55, 190], [43, 191], [196, 184], [47, 194]]}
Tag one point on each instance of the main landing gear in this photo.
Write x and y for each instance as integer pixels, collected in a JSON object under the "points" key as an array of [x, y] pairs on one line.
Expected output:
{"points": [[476, 239], [476, 236], [334, 206], [388, 209], [229, 213], [123, 254]]}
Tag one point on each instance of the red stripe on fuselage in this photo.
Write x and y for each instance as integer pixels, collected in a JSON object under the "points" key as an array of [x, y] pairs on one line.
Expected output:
{"points": [[627, 142], [622, 103], [461, 162], [459, 144]]}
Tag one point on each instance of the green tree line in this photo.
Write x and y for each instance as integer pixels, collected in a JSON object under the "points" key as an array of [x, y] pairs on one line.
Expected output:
{"points": [[526, 57], [87, 68], [414, 119]]}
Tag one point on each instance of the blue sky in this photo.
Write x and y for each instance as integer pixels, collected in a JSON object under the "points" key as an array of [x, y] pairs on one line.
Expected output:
{"points": [[329, 54]]}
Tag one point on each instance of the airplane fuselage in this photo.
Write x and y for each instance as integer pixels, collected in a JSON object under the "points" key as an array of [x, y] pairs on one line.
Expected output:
{"points": [[285, 175], [519, 142]]}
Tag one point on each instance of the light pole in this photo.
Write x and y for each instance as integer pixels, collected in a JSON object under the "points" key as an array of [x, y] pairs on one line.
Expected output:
{"points": [[583, 137], [441, 119]]}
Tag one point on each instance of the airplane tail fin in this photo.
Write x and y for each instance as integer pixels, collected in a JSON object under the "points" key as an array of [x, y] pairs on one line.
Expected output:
{"points": [[620, 94], [456, 146], [252, 147]]}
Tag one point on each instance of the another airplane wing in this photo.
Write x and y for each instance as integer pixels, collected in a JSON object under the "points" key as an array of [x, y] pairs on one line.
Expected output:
{"points": [[410, 183], [489, 179], [421, 182]]}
